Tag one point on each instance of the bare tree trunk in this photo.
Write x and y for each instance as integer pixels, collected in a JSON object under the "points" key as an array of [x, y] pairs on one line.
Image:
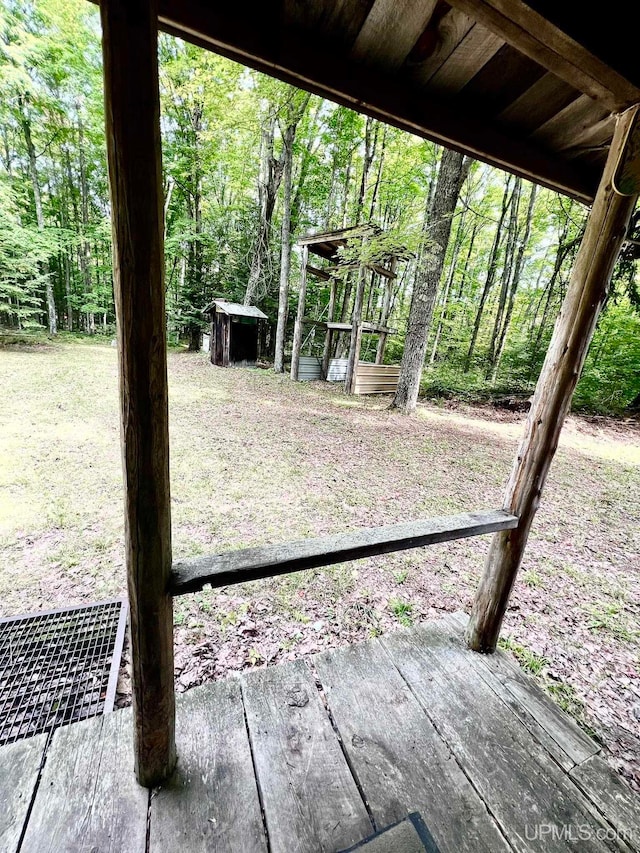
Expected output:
{"points": [[288, 137], [491, 274], [515, 281], [37, 198], [268, 184], [453, 170], [447, 288], [507, 269]]}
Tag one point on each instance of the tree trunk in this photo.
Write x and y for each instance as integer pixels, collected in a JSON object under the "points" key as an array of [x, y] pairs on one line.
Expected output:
{"points": [[603, 238], [507, 270], [268, 184], [491, 274], [288, 138], [85, 249], [515, 281], [453, 170], [447, 288], [37, 198]]}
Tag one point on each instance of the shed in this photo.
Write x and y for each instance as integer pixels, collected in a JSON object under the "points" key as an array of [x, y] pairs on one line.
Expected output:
{"points": [[235, 338]]}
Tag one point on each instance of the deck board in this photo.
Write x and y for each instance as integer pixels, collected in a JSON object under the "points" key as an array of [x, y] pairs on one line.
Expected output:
{"points": [[280, 761], [554, 729], [211, 802], [19, 771], [396, 753], [310, 799], [88, 798], [522, 785], [612, 796]]}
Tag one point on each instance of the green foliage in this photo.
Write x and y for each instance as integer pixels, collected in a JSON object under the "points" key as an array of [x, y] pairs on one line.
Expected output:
{"points": [[493, 314]]}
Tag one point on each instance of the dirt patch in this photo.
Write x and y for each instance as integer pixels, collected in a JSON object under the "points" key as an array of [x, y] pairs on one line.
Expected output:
{"points": [[257, 459]]}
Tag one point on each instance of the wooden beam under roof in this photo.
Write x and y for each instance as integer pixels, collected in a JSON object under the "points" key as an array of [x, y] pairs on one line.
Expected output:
{"points": [[538, 38], [319, 273], [258, 35]]}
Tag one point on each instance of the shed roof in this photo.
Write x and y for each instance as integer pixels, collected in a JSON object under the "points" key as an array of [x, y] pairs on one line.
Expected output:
{"points": [[526, 87], [235, 309]]}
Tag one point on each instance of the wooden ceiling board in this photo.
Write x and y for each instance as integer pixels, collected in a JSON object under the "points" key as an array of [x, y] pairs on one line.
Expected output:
{"points": [[390, 31]]}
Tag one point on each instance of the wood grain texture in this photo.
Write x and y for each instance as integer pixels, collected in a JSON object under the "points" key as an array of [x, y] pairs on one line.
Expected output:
{"points": [[441, 38], [521, 784], [576, 119], [88, 798], [19, 770], [474, 51], [132, 118], [555, 730], [613, 797], [301, 57], [588, 286], [390, 30], [539, 39], [270, 560], [539, 103], [211, 801], [401, 763], [311, 802]]}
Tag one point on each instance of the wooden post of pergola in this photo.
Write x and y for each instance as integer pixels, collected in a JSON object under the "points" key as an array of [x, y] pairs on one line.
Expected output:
{"points": [[328, 338], [298, 328], [132, 114], [356, 333], [384, 314], [590, 278]]}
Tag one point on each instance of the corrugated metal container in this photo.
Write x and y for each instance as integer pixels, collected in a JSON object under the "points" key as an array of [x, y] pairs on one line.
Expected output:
{"points": [[309, 368], [376, 378], [337, 370]]}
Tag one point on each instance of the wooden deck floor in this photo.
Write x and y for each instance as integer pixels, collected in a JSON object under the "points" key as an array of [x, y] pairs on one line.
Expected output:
{"points": [[318, 754]]}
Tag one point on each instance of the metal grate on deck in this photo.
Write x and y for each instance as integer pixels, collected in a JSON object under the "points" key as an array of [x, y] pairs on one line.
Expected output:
{"points": [[59, 667]]}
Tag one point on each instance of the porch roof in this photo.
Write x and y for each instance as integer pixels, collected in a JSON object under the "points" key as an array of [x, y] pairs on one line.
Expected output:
{"points": [[530, 88]]}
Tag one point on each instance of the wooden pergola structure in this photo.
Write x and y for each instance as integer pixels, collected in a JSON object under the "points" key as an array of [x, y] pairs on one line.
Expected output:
{"points": [[327, 245], [547, 91]]}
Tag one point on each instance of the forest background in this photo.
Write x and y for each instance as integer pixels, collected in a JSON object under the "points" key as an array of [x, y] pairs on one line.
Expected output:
{"points": [[251, 164]]}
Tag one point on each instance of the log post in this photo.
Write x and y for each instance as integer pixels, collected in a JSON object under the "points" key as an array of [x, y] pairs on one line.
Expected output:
{"points": [[298, 328], [326, 354], [603, 237], [132, 116], [356, 335]]}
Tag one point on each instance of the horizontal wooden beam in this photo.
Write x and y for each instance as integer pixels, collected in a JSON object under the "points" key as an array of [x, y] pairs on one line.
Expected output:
{"points": [[319, 273], [538, 38], [256, 35], [266, 561], [385, 272]]}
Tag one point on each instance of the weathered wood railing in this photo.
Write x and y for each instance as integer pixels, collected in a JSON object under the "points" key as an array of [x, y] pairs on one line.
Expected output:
{"points": [[270, 560]]}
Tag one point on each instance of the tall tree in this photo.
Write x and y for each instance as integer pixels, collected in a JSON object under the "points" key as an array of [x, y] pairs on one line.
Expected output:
{"points": [[294, 112], [452, 172]]}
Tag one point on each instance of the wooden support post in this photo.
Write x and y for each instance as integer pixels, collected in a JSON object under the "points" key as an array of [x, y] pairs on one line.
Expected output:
{"points": [[603, 237], [356, 335], [132, 115], [384, 314], [326, 354], [298, 329]]}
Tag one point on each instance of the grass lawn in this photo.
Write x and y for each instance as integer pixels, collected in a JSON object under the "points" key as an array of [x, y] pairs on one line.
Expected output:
{"points": [[257, 459]]}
